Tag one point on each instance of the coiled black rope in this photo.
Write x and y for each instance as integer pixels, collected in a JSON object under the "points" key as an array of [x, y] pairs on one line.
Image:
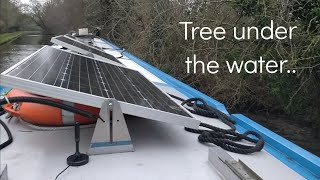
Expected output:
{"points": [[228, 139]]}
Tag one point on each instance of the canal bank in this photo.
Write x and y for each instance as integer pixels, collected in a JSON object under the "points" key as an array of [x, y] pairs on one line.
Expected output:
{"points": [[8, 37], [290, 129]]}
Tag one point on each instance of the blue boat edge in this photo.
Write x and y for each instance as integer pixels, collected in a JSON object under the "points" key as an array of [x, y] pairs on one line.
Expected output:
{"points": [[4, 90]]}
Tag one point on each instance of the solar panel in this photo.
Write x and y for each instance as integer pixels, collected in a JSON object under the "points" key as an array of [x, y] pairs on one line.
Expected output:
{"points": [[70, 36], [72, 77], [77, 46]]}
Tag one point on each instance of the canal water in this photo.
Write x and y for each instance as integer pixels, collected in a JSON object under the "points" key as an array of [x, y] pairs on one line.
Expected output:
{"points": [[20, 48]]}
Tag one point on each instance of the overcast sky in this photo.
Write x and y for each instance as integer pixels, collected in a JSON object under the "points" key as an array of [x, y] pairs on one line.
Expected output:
{"points": [[25, 1], [28, 1]]}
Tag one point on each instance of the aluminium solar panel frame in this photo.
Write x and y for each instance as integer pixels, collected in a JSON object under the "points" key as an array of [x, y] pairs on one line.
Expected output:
{"points": [[84, 52], [95, 101]]}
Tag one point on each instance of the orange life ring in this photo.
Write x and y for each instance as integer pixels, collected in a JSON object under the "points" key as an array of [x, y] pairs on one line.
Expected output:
{"points": [[39, 114]]}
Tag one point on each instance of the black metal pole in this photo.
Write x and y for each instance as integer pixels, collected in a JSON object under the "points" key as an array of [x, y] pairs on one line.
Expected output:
{"points": [[77, 159]]}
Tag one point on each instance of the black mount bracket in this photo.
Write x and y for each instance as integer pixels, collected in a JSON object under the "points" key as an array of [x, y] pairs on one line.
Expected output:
{"points": [[77, 159]]}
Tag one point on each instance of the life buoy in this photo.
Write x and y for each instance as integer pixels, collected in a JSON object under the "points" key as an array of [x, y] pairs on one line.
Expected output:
{"points": [[43, 115]]}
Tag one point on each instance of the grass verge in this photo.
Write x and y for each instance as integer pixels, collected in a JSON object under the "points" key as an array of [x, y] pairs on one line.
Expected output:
{"points": [[8, 37]]}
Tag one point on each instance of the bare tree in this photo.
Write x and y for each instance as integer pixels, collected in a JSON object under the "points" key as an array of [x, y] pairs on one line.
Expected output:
{"points": [[38, 12]]}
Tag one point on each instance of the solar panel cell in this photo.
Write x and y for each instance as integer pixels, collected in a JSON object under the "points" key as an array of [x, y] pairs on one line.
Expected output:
{"points": [[86, 47], [81, 74], [70, 36]]}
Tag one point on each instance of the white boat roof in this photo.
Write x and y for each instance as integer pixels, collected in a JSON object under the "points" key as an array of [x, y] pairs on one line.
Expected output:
{"points": [[162, 151]]}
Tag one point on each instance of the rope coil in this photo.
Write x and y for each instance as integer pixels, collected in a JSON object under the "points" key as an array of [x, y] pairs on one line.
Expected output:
{"points": [[227, 139]]}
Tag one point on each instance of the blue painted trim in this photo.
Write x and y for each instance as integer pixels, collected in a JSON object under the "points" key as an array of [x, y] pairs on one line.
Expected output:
{"points": [[106, 144], [180, 86], [4, 90], [298, 159]]}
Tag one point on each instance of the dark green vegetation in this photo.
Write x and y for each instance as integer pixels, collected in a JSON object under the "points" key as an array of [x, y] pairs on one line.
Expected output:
{"points": [[13, 17], [13, 21], [7, 37], [150, 29]]}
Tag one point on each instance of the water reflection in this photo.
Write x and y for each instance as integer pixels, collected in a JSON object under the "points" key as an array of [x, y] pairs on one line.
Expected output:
{"points": [[21, 48]]}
